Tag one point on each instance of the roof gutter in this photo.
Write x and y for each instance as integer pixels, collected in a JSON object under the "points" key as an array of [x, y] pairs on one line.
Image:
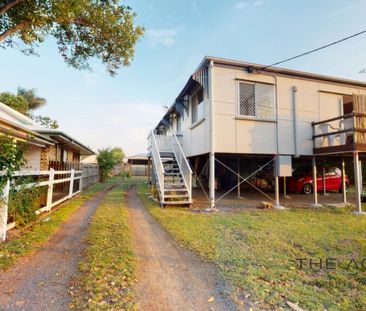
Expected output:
{"points": [[27, 131], [69, 138]]}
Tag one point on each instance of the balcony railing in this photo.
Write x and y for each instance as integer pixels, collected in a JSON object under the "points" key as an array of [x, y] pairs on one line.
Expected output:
{"points": [[340, 134]]}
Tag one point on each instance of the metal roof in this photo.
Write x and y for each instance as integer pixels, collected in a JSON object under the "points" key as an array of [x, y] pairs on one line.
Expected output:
{"points": [[290, 72]]}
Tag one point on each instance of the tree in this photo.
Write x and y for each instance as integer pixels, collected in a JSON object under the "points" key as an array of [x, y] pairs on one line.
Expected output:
{"points": [[11, 157], [24, 102], [32, 99], [83, 29], [46, 122], [118, 154], [16, 102], [107, 159]]}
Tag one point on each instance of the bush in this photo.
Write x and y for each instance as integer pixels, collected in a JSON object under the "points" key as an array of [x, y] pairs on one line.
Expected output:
{"points": [[154, 192], [24, 203], [126, 174], [107, 159]]}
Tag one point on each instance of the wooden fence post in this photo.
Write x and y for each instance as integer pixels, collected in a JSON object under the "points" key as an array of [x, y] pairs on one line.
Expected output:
{"points": [[4, 200], [81, 182], [50, 188], [71, 190]]}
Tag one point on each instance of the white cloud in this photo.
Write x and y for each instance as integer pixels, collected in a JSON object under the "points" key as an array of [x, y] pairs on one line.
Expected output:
{"points": [[90, 78], [164, 37], [241, 5], [194, 7], [258, 3], [337, 13], [244, 4]]}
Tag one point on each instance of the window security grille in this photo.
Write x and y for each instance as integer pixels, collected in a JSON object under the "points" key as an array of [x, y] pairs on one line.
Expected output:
{"points": [[247, 99]]}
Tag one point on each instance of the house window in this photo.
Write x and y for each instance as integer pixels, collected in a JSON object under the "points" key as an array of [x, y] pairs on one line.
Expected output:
{"points": [[63, 155], [198, 107], [256, 100], [179, 124]]}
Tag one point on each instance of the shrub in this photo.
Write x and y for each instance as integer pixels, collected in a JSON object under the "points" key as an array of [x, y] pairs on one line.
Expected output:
{"points": [[126, 174], [24, 203]]}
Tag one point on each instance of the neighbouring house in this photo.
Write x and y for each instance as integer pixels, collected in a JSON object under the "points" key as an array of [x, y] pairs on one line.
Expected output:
{"points": [[137, 165], [91, 159], [235, 119], [47, 148]]}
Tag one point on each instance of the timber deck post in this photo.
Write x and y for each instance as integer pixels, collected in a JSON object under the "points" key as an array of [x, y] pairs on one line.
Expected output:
{"points": [[344, 194], [277, 204], [357, 173], [212, 137], [315, 184]]}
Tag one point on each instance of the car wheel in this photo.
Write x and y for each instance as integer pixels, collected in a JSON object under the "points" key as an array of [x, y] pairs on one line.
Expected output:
{"points": [[307, 189], [341, 188]]}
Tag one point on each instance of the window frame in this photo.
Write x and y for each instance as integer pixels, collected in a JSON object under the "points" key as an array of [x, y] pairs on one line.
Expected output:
{"points": [[194, 95], [64, 155], [255, 118], [178, 124]]}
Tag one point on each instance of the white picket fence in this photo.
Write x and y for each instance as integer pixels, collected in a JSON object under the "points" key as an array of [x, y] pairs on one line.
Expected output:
{"points": [[88, 176]]}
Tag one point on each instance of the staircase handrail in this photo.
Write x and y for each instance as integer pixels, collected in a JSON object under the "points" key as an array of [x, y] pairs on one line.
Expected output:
{"points": [[183, 164], [159, 167]]}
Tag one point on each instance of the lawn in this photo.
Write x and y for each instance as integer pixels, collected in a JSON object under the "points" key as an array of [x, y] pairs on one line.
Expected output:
{"points": [[31, 239], [258, 252], [107, 271]]}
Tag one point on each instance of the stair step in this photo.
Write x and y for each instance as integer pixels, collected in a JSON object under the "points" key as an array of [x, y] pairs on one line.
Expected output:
{"points": [[176, 190], [177, 203], [174, 184], [172, 174], [171, 196], [174, 181]]}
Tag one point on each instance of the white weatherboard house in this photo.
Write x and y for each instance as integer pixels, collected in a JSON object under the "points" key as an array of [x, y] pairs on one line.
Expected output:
{"points": [[239, 117]]}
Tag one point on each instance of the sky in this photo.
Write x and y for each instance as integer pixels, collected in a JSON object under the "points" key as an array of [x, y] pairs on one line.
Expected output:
{"points": [[102, 111]]}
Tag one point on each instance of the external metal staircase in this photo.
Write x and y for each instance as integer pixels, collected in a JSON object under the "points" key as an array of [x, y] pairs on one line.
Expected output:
{"points": [[171, 169]]}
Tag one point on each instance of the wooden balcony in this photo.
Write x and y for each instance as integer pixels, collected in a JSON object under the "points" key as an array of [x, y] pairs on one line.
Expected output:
{"points": [[342, 134]]}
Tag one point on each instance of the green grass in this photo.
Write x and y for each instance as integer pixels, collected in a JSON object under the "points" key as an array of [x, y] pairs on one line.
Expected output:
{"points": [[32, 239], [256, 252], [109, 265]]}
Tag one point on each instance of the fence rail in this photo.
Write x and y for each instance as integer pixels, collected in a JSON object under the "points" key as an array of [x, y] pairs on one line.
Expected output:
{"points": [[61, 186]]}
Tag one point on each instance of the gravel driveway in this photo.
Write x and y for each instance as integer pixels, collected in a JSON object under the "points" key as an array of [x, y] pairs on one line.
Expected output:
{"points": [[40, 281], [171, 277]]}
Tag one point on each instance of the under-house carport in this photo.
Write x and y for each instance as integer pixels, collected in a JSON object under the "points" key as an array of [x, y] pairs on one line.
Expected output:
{"points": [[248, 181]]}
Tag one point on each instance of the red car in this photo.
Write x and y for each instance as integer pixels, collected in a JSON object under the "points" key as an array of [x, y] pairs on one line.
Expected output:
{"points": [[302, 181]]}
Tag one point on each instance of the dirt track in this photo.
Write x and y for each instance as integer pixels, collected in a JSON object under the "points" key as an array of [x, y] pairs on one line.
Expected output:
{"points": [[41, 281], [170, 277]]}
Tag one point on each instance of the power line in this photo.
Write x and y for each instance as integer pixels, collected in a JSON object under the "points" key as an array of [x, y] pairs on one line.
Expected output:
{"points": [[315, 50]]}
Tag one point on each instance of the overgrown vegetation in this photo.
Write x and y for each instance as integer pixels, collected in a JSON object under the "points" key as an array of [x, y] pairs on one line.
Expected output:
{"points": [[11, 157], [257, 251], [24, 203], [107, 159], [31, 239], [109, 265], [83, 29]]}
